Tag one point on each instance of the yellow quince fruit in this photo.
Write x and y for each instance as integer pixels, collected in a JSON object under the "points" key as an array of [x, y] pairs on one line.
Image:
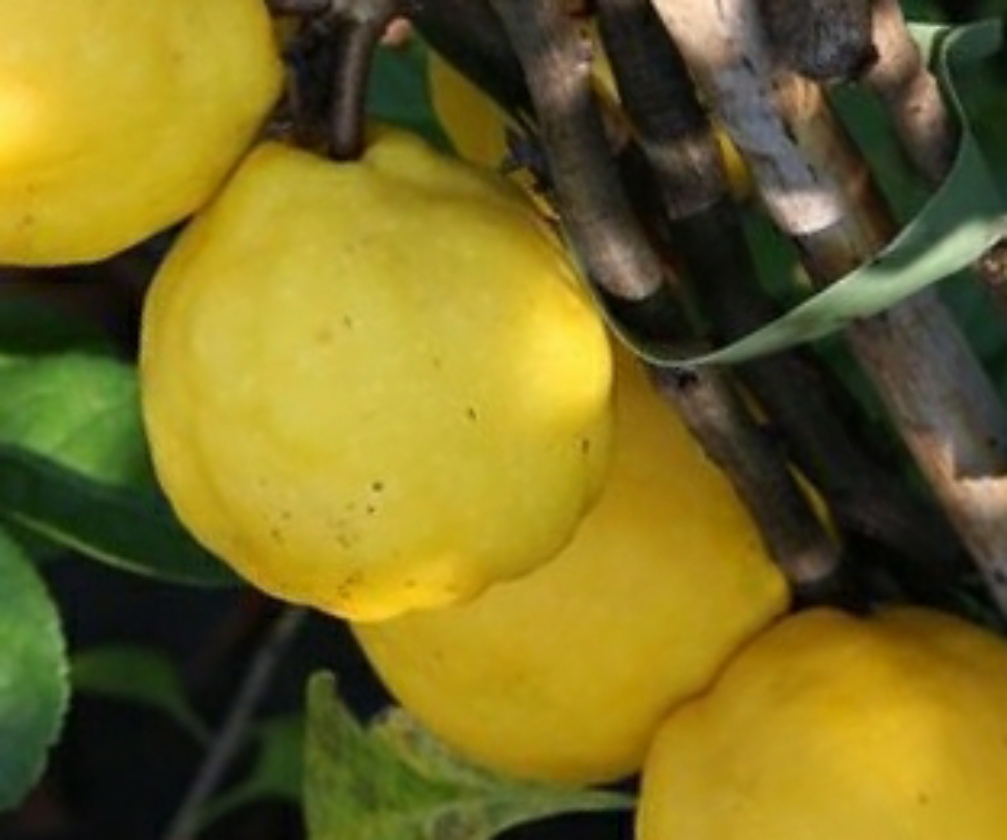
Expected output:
{"points": [[375, 386], [831, 727], [566, 674], [118, 118]]}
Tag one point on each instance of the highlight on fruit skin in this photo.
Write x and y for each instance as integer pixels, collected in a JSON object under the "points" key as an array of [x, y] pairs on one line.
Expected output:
{"points": [[120, 118], [377, 386], [831, 726], [565, 674]]}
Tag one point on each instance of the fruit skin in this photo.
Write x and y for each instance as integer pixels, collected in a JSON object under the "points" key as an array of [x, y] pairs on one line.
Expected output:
{"points": [[564, 675], [120, 118], [376, 386], [831, 727]]}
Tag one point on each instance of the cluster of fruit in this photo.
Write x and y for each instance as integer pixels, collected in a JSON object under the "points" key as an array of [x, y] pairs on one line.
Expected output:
{"points": [[376, 387]]}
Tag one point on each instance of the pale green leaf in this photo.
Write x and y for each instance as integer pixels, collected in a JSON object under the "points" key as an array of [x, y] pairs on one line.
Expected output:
{"points": [[395, 782]]}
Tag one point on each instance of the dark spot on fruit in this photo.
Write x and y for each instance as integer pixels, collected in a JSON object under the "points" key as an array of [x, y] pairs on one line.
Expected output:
{"points": [[276, 534], [472, 414], [585, 446], [370, 510], [377, 486], [348, 322]]}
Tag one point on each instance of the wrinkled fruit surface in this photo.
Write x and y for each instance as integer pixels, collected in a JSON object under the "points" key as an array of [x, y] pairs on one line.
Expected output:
{"points": [[119, 118], [375, 386], [566, 673], [830, 727]]}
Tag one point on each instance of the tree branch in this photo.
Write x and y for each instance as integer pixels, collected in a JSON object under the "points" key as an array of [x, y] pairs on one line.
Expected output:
{"points": [[617, 254], [937, 395]]}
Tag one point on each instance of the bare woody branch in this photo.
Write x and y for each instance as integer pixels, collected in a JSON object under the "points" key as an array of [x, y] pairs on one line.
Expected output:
{"points": [[925, 129], [937, 395], [690, 192], [616, 253]]}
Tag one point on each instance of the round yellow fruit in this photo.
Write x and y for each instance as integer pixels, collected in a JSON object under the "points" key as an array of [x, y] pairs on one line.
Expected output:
{"points": [[118, 118], [375, 386], [832, 727], [564, 675]]}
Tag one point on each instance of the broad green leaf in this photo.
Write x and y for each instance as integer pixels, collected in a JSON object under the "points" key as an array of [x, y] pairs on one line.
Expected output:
{"points": [[395, 782], [130, 528], [79, 409], [276, 773], [398, 91], [963, 217], [140, 675], [33, 678]]}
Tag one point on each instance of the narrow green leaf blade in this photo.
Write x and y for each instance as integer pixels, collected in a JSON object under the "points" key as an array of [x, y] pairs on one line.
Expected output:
{"points": [[961, 220], [131, 529], [33, 674], [398, 92], [137, 674], [395, 782]]}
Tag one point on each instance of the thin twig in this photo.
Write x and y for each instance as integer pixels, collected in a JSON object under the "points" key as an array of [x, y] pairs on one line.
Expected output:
{"points": [[937, 394], [926, 132], [470, 35], [825, 40], [231, 737], [595, 212], [703, 228], [617, 255]]}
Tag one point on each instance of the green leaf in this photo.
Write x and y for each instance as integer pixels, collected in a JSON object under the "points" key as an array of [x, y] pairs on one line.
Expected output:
{"points": [[33, 674], [395, 782], [277, 772], [129, 528], [398, 92], [960, 221], [139, 675], [79, 409]]}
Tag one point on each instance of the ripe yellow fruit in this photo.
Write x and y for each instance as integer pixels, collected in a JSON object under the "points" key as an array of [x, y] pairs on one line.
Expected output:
{"points": [[565, 674], [120, 117], [833, 727], [375, 386]]}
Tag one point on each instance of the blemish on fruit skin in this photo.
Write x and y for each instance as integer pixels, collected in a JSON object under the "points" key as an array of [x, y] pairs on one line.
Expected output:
{"points": [[585, 446], [277, 535], [471, 414], [347, 322], [377, 486]]}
